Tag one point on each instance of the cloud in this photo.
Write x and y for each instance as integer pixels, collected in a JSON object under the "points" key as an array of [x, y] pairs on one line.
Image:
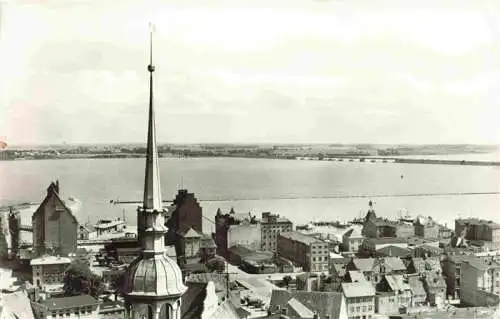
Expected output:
{"points": [[241, 71]]}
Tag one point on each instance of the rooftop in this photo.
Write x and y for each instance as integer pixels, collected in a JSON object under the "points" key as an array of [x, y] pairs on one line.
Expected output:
{"points": [[477, 221], [353, 233], [483, 263], [103, 224], [358, 289], [296, 236], [49, 260], [388, 240], [69, 302]]}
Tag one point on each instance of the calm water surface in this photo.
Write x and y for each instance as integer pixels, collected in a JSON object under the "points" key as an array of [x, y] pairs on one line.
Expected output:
{"points": [[231, 180]]}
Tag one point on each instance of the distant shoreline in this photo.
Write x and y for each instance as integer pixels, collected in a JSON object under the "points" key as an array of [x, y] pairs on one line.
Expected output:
{"points": [[336, 157]]}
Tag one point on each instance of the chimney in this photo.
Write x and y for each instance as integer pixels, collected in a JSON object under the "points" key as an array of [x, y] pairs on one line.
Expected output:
{"points": [[57, 186], [315, 316]]}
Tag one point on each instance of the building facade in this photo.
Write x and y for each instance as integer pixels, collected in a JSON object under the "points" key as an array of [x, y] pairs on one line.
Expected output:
{"points": [[245, 234], [55, 228], [310, 253], [48, 271], [479, 230], [76, 307], [352, 240], [477, 277], [359, 299], [272, 225]]}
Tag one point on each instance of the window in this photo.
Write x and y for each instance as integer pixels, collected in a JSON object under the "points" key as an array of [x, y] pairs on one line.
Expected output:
{"points": [[370, 308]]}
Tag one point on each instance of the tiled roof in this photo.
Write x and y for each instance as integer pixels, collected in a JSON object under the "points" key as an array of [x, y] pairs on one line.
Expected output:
{"points": [[191, 233], [192, 300], [416, 285], [393, 251], [358, 289], [394, 264], [69, 302], [436, 281], [296, 236], [364, 264], [297, 308], [430, 264], [397, 282], [388, 240], [324, 303], [356, 276]]}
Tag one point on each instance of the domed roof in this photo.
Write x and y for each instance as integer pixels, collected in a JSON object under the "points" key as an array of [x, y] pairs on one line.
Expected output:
{"points": [[155, 276]]}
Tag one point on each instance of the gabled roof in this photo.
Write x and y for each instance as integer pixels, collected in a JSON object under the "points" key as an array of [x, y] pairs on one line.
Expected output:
{"points": [[393, 264], [53, 191], [416, 285], [358, 289], [436, 281], [397, 282], [191, 233], [356, 276], [364, 264], [430, 264], [324, 303]]}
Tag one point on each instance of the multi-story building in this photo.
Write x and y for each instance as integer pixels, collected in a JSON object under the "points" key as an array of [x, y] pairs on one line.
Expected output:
{"points": [[77, 307], [184, 213], [474, 229], [371, 245], [48, 271], [352, 240], [393, 293], [55, 228], [374, 268], [310, 253], [429, 228], [479, 280], [272, 225], [378, 227], [359, 299], [223, 222], [245, 234]]}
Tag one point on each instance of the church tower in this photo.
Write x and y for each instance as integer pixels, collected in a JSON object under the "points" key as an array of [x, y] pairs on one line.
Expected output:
{"points": [[153, 283]]}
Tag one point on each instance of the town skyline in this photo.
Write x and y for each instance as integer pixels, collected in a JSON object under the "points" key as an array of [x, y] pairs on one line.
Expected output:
{"points": [[349, 72]]}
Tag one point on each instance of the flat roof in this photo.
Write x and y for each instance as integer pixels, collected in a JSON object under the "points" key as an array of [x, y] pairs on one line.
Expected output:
{"points": [[296, 236], [50, 260], [69, 302]]}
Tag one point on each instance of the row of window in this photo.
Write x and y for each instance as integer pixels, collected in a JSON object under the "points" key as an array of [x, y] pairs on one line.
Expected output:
{"points": [[359, 309], [77, 312], [360, 299]]}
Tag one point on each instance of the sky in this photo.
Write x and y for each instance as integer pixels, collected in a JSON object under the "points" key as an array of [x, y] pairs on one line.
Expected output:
{"points": [[245, 71]]}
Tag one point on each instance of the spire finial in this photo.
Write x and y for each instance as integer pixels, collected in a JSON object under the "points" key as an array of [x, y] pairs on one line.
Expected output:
{"points": [[151, 67], [152, 194]]}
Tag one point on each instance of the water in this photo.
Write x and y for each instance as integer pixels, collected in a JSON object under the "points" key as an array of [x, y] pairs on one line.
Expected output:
{"points": [[97, 181]]}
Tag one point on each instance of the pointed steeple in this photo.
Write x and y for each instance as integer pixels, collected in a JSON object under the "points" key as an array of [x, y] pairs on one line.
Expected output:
{"points": [[152, 190]]}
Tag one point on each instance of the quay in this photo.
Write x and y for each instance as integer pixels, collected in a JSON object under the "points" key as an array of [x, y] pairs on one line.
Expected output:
{"points": [[399, 160]]}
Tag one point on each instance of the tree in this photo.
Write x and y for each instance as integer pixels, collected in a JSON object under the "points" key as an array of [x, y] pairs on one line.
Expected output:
{"points": [[79, 279], [117, 281], [216, 264], [286, 280]]}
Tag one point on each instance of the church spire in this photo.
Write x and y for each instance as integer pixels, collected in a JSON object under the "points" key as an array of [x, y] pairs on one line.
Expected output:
{"points": [[152, 189]]}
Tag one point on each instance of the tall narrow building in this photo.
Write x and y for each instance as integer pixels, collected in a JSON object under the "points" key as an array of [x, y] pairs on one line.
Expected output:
{"points": [[153, 284]]}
